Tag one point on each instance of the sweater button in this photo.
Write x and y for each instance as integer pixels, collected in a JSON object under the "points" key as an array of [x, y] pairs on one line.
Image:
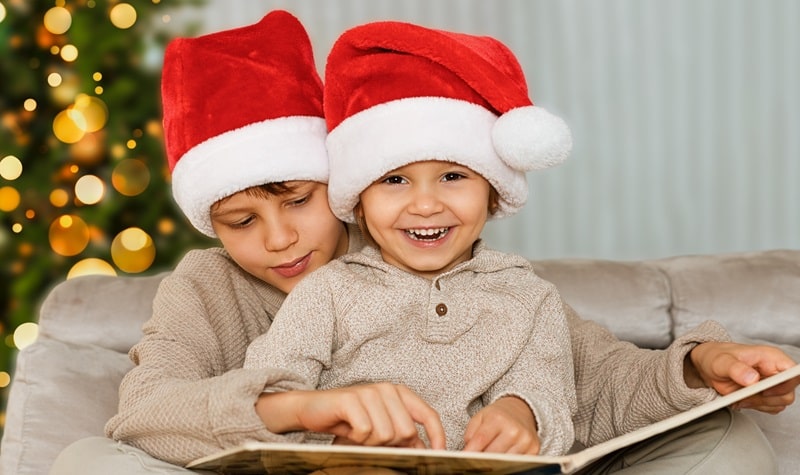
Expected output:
{"points": [[441, 310]]}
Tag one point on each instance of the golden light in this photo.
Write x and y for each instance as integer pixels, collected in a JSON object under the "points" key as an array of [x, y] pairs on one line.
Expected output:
{"points": [[166, 19], [123, 16], [2, 12], [131, 144], [91, 266], [9, 199], [117, 151], [57, 20], [10, 167], [98, 90], [26, 334], [25, 249], [69, 126], [166, 226], [133, 250], [89, 189], [130, 177], [30, 214], [88, 150], [29, 105], [69, 235], [5, 378], [69, 53], [97, 76], [16, 228], [59, 198], [93, 110], [54, 50], [54, 79]]}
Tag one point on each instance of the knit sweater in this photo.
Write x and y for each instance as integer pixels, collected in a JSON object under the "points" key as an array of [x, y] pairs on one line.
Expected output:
{"points": [[486, 329], [188, 395]]}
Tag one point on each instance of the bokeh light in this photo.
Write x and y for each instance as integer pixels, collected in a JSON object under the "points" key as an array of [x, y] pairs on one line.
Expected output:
{"points": [[69, 126], [10, 167], [54, 79], [89, 189], [123, 16], [9, 199], [130, 177], [30, 105], [59, 198], [133, 250], [69, 53], [88, 150], [93, 110], [57, 20], [26, 334], [91, 266], [69, 235], [5, 378], [2, 12]]}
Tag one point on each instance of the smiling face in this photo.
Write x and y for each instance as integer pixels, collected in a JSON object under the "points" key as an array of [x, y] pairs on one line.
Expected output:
{"points": [[280, 237], [426, 216]]}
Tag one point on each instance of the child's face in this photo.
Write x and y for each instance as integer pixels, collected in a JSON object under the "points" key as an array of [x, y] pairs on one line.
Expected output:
{"points": [[280, 238], [426, 216]]}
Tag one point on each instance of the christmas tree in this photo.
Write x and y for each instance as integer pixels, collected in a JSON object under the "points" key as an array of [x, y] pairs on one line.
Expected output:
{"points": [[84, 186]]}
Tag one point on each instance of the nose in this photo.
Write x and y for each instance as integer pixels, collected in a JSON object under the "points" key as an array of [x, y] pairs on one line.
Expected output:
{"points": [[279, 234], [425, 201]]}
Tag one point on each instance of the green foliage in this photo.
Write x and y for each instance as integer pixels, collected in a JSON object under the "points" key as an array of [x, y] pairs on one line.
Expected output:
{"points": [[128, 62]]}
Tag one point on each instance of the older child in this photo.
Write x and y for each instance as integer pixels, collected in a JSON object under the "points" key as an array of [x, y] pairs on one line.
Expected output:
{"points": [[427, 305]]}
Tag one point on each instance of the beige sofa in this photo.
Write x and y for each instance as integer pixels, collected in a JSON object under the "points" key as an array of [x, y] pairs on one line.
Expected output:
{"points": [[65, 385]]}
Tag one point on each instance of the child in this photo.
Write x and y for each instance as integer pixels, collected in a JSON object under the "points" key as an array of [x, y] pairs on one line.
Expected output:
{"points": [[427, 305], [245, 140]]}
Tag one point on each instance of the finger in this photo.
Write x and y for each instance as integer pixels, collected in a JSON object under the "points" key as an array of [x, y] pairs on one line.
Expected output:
{"points": [[425, 415], [381, 427], [405, 430], [739, 372]]}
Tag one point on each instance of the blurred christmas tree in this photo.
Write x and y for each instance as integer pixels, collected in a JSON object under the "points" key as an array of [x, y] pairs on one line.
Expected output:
{"points": [[84, 186]]}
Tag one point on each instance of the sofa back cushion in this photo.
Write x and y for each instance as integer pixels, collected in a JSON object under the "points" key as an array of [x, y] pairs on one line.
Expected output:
{"points": [[632, 299], [755, 294]]}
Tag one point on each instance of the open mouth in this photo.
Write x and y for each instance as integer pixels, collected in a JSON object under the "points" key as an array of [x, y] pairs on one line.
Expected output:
{"points": [[431, 234]]}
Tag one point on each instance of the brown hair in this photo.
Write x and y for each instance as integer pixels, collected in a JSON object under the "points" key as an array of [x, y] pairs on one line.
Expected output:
{"points": [[267, 190]]}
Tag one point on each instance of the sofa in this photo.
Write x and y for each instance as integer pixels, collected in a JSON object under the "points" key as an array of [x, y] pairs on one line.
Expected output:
{"points": [[65, 384]]}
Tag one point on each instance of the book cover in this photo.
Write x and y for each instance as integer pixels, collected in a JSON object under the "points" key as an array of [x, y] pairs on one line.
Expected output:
{"points": [[259, 458]]}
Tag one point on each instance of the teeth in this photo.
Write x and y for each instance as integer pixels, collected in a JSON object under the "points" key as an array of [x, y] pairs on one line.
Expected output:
{"points": [[427, 234]]}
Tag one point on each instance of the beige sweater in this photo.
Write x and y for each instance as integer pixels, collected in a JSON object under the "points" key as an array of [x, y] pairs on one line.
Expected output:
{"points": [[486, 329], [189, 396]]}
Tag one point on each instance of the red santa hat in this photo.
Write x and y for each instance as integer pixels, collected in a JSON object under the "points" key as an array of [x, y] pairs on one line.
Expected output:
{"points": [[242, 107], [397, 93]]}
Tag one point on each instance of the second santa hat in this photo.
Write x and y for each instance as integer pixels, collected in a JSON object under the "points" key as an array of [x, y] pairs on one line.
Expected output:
{"points": [[398, 93]]}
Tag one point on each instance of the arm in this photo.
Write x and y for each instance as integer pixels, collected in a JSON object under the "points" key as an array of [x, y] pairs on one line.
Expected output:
{"points": [[188, 395], [542, 379], [621, 387], [301, 341]]}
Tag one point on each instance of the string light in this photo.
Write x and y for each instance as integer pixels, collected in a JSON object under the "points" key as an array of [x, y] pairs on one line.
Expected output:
{"points": [[10, 167], [123, 16]]}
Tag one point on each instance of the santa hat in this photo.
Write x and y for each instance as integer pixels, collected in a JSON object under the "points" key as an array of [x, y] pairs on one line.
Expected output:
{"points": [[397, 93], [242, 107]]}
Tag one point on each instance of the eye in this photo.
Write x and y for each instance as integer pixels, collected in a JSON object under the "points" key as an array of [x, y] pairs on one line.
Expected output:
{"points": [[393, 180], [301, 200], [242, 223], [453, 176]]}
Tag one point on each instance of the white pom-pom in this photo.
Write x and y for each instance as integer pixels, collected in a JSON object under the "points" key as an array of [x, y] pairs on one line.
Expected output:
{"points": [[531, 138]]}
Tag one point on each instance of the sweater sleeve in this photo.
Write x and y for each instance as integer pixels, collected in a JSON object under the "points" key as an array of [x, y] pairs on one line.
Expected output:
{"points": [[621, 388], [188, 395], [300, 339], [542, 376]]}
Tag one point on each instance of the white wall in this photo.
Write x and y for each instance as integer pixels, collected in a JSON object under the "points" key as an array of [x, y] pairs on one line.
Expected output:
{"points": [[685, 113]]}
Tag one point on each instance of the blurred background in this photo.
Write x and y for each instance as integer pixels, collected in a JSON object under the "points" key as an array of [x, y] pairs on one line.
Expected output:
{"points": [[685, 116]]}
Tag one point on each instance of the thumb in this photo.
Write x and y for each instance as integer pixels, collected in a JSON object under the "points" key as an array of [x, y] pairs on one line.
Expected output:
{"points": [[743, 374]]}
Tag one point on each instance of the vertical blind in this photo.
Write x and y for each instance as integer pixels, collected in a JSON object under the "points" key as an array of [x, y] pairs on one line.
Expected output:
{"points": [[685, 115]]}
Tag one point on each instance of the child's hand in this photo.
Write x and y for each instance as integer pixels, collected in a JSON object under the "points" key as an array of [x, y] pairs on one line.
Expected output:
{"points": [[726, 367], [373, 414], [507, 425]]}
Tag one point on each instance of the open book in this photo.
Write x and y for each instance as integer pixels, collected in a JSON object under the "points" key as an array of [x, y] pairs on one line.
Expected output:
{"points": [[272, 458]]}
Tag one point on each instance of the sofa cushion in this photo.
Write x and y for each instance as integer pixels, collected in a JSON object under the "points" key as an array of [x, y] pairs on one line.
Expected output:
{"points": [[100, 310], [631, 299], [756, 294], [61, 392]]}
